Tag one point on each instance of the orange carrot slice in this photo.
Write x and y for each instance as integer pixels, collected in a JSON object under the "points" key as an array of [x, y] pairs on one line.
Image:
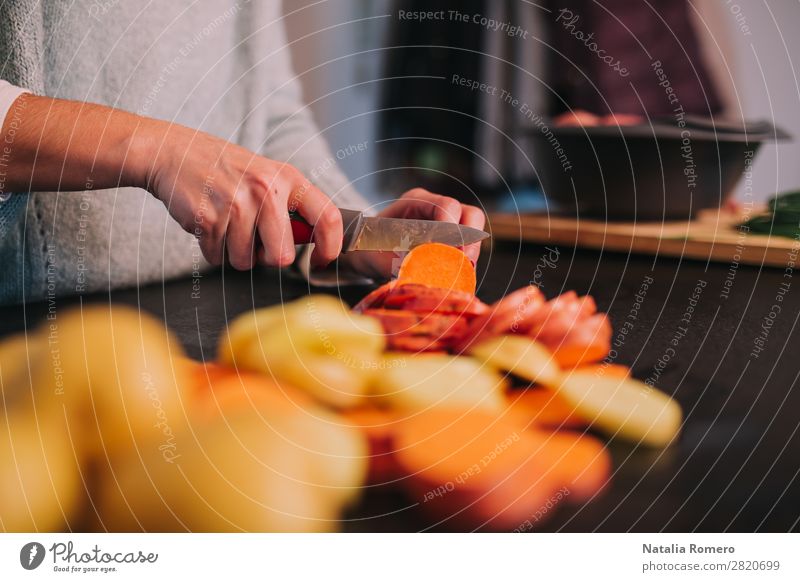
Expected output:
{"points": [[374, 298], [225, 390], [581, 463], [588, 341], [422, 299], [439, 330], [202, 376], [438, 265], [377, 427], [473, 468], [544, 408], [504, 316], [605, 369]]}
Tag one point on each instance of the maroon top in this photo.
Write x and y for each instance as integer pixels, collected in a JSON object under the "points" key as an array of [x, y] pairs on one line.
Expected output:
{"points": [[625, 48]]}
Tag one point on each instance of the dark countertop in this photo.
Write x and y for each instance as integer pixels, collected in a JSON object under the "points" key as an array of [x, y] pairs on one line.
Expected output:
{"points": [[737, 463]]}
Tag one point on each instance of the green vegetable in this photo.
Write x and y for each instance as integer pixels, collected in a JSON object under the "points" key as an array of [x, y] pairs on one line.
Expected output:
{"points": [[781, 219]]}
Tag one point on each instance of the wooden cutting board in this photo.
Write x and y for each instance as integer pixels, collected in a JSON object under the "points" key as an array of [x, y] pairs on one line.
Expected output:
{"points": [[712, 236]]}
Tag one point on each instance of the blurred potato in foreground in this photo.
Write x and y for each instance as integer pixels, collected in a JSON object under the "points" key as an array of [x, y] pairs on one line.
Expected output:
{"points": [[315, 343]]}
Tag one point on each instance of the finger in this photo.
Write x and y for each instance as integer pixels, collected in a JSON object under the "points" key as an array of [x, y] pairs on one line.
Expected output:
{"points": [[210, 232], [275, 231], [240, 235], [421, 204], [320, 212], [447, 209], [473, 217]]}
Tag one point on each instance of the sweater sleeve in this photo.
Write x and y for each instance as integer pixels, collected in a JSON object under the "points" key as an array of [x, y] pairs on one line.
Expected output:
{"points": [[293, 136]]}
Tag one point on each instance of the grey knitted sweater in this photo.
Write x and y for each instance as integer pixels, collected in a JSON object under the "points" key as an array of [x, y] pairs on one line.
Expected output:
{"points": [[219, 66]]}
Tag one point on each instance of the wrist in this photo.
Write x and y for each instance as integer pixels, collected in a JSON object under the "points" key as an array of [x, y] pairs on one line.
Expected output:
{"points": [[139, 148]]}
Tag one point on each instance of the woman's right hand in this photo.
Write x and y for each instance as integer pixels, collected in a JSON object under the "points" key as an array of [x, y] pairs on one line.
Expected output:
{"points": [[234, 201]]}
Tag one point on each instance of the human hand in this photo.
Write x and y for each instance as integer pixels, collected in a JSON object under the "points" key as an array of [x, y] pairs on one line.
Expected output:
{"points": [[236, 202], [423, 205]]}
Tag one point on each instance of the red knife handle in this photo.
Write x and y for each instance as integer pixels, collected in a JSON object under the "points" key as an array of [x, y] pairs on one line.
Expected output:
{"points": [[303, 232]]}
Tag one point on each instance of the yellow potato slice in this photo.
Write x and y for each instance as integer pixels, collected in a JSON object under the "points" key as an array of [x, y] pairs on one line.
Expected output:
{"points": [[329, 380], [250, 472], [319, 323], [245, 329], [421, 381], [315, 343], [521, 356], [111, 370], [18, 359], [40, 476], [328, 326], [623, 407]]}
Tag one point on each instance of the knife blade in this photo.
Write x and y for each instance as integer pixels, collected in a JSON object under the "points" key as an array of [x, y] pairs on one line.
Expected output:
{"points": [[373, 233]]}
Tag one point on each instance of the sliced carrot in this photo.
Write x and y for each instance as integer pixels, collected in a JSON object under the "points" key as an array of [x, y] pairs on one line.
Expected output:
{"points": [[606, 369], [435, 325], [374, 298], [581, 463], [202, 376], [377, 426], [226, 391], [438, 265], [436, 330], [475, 469], [587, 342], [416, 344], [544, 408], [423, 299], [504, 316], [558, 316]]}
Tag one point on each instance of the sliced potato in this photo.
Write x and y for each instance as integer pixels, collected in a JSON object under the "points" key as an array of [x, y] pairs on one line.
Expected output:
{"points": [[19, 357], [521, 356], [40, 476], [329, 326], [317, 323], [314, 343], [329, 380], [248, 472], [417, 382], [111, 370], [245, 329], [623, 407]]}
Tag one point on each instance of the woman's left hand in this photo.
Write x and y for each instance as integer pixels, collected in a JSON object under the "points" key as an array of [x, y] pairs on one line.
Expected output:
{"points": [[422, 205]]}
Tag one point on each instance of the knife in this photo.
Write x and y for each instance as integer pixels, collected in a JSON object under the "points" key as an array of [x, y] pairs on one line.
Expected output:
{"points": [[372, 233]]}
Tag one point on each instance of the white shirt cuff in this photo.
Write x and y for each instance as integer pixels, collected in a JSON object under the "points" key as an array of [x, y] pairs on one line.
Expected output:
{"points": [[8, 94]]}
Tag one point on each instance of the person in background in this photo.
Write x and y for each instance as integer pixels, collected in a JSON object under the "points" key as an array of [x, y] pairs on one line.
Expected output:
{"points": [[499, 70], [141, 144]]}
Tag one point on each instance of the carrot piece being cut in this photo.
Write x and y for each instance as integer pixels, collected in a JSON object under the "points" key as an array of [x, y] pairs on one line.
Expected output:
{"points": [[438, 265]]}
